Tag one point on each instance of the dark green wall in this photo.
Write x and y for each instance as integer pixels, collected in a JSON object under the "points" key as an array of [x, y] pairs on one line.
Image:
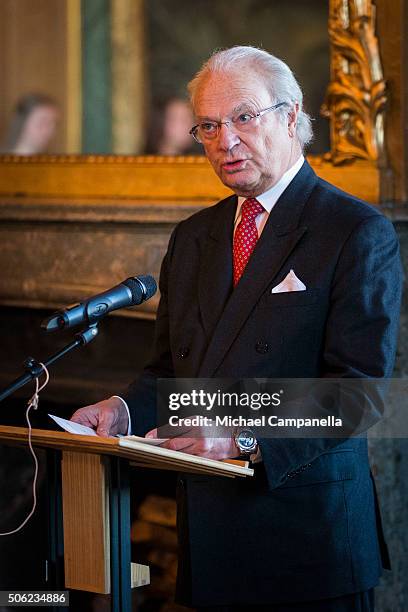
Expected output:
{"points": [[96, 77]]}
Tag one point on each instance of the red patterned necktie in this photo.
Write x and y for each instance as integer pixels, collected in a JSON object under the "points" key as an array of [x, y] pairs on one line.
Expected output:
{"points": [[246, 236]]}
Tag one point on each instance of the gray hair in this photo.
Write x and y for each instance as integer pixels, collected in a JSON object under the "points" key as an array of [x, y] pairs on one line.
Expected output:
{"points": [[279, 78]]}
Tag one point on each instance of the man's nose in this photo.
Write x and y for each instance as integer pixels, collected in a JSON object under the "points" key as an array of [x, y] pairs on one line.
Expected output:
{"points": [[227, 137]]}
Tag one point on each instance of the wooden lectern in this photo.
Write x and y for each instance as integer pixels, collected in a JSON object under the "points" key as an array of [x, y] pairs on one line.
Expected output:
{"points": [[89, 506]]}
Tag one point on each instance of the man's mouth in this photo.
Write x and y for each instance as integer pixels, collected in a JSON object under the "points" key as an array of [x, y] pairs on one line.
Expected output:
{"points": [[236, 164]]}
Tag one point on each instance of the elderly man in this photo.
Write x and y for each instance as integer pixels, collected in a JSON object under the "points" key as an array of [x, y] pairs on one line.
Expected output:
{"points": [[305, 532]]}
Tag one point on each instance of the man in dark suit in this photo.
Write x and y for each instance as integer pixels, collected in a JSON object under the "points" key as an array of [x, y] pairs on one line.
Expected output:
{"points": [[289, 277]]}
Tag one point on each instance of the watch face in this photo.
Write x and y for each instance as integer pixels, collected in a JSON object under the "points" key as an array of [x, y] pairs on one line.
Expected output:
{"points": [[246, 440]]}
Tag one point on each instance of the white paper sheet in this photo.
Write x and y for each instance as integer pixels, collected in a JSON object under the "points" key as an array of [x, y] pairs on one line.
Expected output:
{"points": [[82, 430], [72, 427]]}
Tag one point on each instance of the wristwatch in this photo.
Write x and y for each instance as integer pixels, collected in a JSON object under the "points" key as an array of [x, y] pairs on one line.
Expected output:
{"points": [[245, 441]]}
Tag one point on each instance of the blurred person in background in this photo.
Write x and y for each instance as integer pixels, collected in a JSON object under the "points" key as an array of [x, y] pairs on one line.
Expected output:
{"points": [[170, 123], [33, 125]]}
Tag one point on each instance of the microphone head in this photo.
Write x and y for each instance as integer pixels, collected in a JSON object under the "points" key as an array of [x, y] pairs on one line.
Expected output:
{"points": [[142, 288], [52, 323]]}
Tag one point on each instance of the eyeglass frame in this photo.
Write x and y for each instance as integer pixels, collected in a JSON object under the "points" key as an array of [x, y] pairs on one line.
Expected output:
{"points": [[260, 113]]}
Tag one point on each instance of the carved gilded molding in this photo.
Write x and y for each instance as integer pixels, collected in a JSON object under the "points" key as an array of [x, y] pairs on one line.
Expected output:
{"points": [[356, 96], [104, 159], [139, 181]]}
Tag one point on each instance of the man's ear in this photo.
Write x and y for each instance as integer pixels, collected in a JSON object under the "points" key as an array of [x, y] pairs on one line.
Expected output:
{"points": [[292, 119]]}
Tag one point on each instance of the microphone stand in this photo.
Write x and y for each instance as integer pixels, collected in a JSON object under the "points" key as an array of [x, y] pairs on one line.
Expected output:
{"points": [[34, 368]]}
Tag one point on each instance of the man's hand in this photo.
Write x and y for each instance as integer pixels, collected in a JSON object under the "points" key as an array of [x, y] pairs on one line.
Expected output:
{"points": [[212, 448], [108, 417]]}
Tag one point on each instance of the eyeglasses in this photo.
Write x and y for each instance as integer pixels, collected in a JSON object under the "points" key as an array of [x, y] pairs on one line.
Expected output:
{"points": [[243, 122]]}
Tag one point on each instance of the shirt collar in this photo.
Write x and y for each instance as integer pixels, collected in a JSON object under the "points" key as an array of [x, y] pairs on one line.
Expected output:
{"points": [[269, 198]]}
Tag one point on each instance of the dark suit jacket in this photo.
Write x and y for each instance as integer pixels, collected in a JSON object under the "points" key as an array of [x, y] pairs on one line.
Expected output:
{"points": [[305, 527]]}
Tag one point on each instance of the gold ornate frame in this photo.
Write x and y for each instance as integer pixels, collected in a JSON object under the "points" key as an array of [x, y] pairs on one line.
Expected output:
{"points": [[355, 105], [356, 96]]}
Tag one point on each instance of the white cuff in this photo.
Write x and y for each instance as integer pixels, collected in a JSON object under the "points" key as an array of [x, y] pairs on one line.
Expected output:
{"points": [[129, 429]]}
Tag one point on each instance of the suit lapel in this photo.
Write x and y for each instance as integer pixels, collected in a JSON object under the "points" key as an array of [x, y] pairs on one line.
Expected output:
{"points": [[215, 277], [281, 234]]}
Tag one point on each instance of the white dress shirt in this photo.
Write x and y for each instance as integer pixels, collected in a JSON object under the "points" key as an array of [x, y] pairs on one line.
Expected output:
{"points": [[269, 198], [268, 201]]}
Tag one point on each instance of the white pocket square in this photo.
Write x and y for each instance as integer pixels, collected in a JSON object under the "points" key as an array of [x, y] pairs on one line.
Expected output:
{"points": [[290, 283]]}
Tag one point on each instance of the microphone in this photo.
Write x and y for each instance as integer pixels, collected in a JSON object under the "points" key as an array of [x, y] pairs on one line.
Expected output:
{"points": [[130, 292]]}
